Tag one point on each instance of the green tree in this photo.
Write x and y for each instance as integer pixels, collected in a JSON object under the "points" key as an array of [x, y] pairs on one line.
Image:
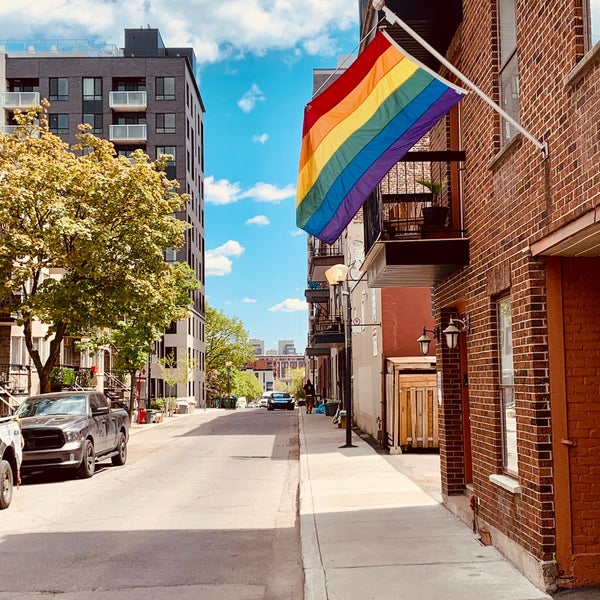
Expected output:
{"points": [[82, 238], [226, 340], [247, 385], [296, 387]]}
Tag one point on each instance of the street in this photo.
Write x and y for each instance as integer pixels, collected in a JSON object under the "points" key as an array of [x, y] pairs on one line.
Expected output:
{"points": [[206, 507]]}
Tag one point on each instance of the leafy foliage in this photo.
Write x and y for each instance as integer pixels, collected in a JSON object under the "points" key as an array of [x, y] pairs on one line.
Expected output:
{"points": [[226, 340]]}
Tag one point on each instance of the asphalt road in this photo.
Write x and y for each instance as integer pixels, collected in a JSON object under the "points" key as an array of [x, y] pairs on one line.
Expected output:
{"points": [[205, 508]]}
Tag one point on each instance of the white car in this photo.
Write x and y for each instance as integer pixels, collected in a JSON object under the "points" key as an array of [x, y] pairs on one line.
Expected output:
{"points": [[241, 402], [264, 399]]}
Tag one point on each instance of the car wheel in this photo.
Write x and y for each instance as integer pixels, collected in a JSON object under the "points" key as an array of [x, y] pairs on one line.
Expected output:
{"points": [[88, 462], [6, 484], [119, 459], [269, 408]]}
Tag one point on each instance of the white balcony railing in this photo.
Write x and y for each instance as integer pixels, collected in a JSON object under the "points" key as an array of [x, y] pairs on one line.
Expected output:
{"points": [[128, 101], [12, 100], [128, 134], [13, 128]]}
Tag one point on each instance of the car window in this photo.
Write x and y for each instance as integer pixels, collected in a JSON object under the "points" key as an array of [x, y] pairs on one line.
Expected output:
{"points": [[52, 405]]}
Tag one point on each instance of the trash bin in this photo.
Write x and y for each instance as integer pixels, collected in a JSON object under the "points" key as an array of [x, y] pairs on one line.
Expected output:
{"points": [[331, 408], [182, 408]]}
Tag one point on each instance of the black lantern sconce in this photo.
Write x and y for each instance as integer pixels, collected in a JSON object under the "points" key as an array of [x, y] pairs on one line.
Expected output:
{"points": [[452, 333], [425, 340]]}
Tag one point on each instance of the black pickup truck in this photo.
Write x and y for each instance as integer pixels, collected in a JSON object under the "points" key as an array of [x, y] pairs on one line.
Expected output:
{"points": [[72, 430]]}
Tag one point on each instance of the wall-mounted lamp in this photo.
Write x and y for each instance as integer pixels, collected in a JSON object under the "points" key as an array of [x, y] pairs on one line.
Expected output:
{"points": [[452, 332], [336, 274], [425, 340]]}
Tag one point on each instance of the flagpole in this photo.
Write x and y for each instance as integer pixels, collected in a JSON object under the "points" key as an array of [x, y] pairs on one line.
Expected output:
{"points": [[393, 18]]}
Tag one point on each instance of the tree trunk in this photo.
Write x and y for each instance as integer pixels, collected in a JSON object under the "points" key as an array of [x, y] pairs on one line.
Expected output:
{"points": [[44, 370]]}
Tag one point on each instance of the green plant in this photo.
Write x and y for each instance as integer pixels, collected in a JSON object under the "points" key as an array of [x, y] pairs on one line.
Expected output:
{"points": [[435, 186], [62, 376]]}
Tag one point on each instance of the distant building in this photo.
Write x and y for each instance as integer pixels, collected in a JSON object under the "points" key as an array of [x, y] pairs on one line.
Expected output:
{"points": [[258, 345], [286, 347]]}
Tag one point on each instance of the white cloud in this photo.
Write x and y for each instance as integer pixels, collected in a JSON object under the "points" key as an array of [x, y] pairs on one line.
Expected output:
{"points": [[217, 261], [297, 232], [248, 101], [258, 220], [248, 300], [290, 305], [267, 192], [217, 265], [230, 28], [221, 191], [260, 139]]}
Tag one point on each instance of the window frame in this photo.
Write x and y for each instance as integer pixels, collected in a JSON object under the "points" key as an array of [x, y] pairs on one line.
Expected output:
{"points": [[160, 93], [57, 128], [97, 85], [161, 123], [94, 124], [508, 67], [506, 386], [55, 82]]}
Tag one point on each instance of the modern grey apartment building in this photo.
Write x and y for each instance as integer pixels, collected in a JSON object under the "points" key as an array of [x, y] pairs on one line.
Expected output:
{"points": [[146, 96]]}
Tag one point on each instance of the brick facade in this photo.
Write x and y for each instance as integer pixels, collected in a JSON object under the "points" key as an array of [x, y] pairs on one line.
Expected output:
{"points": [[514, 203]]}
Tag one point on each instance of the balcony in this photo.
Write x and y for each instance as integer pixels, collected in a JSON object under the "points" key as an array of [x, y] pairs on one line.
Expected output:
{"points": [[327, 333], [128, 101], [20, 100], [403, 246], [128, 134], [317, 291], [321, 256]]}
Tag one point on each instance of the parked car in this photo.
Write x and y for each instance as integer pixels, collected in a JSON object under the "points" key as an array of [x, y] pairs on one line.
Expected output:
{"points": [[264, 400], [10, 458], [280, 400], [72, 430], [241, 402]]}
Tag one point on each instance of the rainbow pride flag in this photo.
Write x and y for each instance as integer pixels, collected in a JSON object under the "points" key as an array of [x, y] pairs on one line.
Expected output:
{"points": [[359, 127]]}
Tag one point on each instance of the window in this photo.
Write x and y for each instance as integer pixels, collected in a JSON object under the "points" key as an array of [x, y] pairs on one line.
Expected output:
{"points": [[95, 120], [59, 123], [507, 387], [160, 150], [165, 88], [165, 123], [170, 169], [509, 71], [59, 88], [594, 21], [92, 88]]}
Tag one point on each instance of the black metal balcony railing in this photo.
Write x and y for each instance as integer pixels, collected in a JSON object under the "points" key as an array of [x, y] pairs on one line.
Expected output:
{"points": [[401, 206], [317, 248], [15, 379]]}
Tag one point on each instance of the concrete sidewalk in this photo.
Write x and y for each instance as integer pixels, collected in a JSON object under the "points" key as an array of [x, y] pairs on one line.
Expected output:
{"points": [[371, 533]]}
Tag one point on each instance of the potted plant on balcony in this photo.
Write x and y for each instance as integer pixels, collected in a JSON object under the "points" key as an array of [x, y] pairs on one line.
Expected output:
{"points": [[434, 215]]}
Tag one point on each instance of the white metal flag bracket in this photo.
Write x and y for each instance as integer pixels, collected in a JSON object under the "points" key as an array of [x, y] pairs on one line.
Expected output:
{"points": [[394, 19]]}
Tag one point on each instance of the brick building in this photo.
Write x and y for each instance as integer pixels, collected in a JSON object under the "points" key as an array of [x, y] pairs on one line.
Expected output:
{"points": [[517, 266]]}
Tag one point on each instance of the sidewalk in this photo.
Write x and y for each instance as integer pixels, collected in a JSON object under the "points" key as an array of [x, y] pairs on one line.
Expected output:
{"points": [[370, 533]]}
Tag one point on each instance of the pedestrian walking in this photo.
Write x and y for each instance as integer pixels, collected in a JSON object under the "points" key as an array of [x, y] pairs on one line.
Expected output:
{"points": [[309, 392]]}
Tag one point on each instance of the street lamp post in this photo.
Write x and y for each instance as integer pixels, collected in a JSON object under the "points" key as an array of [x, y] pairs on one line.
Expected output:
{"points": [[228, 365], [335, 276]]}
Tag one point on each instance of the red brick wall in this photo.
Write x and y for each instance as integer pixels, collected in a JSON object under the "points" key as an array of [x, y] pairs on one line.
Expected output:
{"points": [[510, 202]]}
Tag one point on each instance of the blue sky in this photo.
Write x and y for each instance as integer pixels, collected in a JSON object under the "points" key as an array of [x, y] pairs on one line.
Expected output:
{"points": [[255, 61]]}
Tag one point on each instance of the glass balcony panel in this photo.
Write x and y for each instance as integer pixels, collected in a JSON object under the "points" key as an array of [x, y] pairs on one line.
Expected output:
{"points": [[22, 100], [133, 101], [127, 134]]}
